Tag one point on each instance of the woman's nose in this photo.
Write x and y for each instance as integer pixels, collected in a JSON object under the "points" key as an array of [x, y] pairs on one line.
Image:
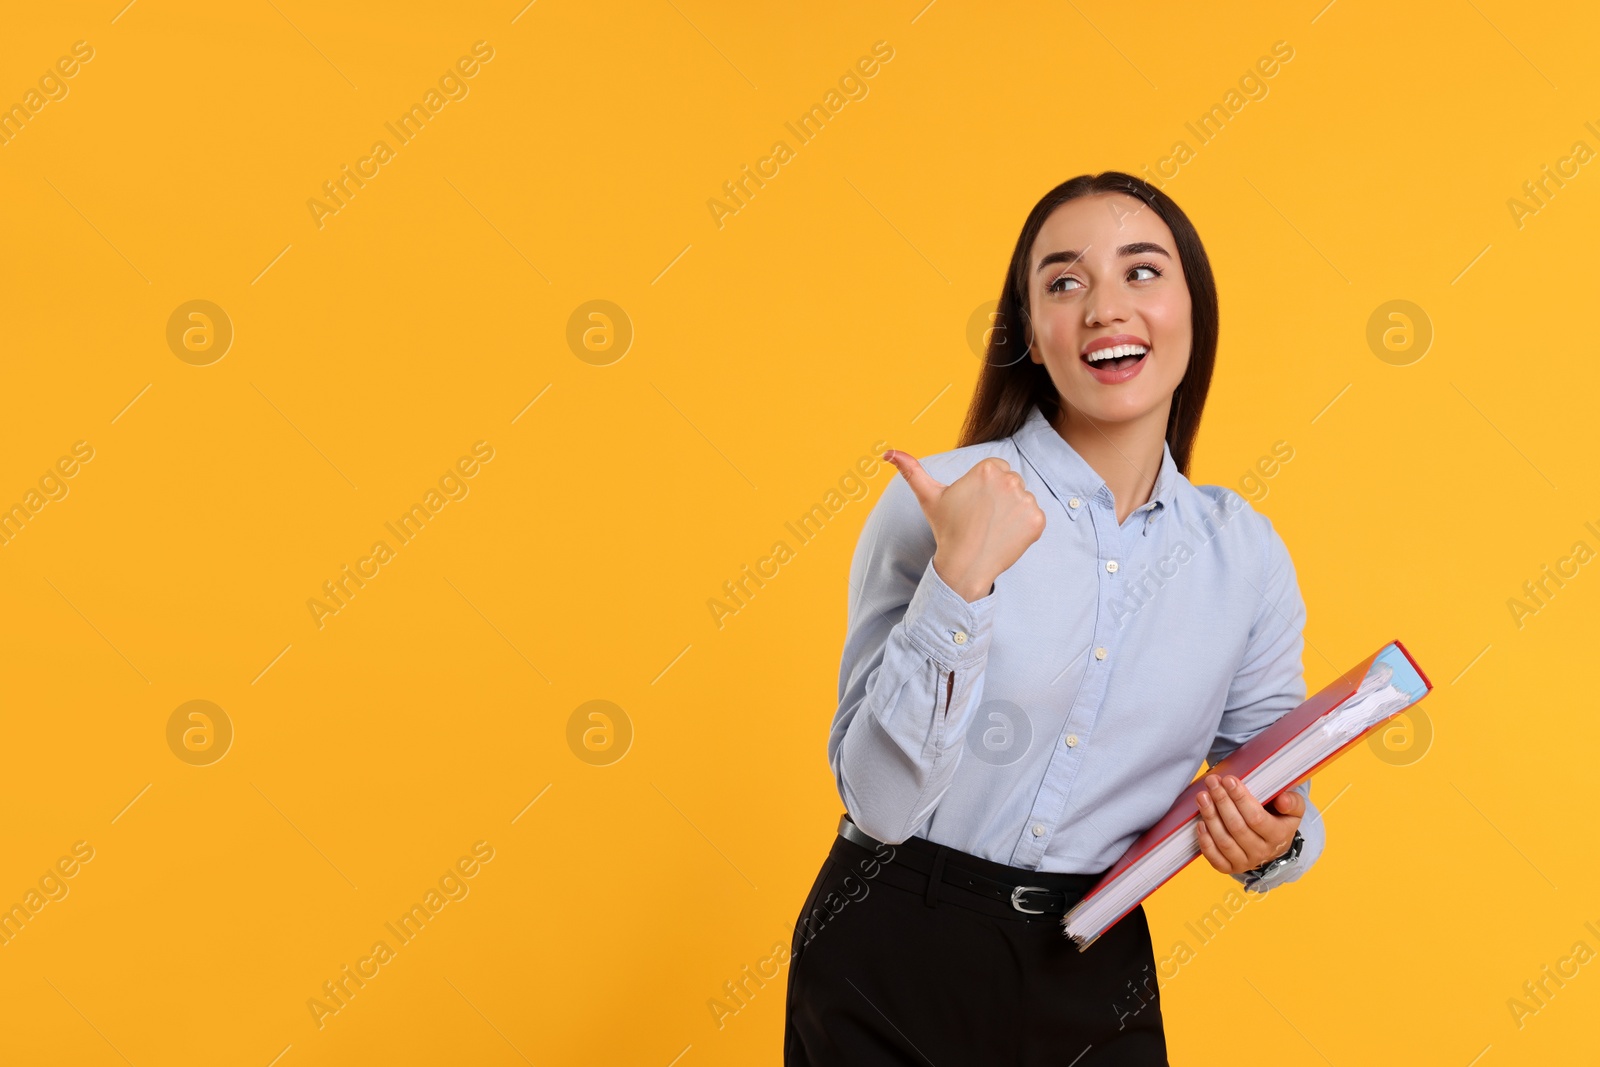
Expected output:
{"points": [[1107, 309]]}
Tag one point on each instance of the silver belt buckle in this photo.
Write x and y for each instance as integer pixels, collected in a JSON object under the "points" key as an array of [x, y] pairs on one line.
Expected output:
{"points": [[1016, 895]]}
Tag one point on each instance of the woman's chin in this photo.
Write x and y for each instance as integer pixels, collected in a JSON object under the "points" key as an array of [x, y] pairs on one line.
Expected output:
{"points": [[1103, 410]]}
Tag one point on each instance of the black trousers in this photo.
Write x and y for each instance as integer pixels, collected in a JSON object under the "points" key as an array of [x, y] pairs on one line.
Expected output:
{"points": [[890, 965]]}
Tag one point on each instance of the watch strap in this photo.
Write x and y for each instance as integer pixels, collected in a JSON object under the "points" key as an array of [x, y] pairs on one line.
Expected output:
{"points": [[1256, 874]]}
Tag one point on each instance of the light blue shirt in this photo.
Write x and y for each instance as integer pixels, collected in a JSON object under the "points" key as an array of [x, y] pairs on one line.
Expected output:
{"points": [[1087, 686]]}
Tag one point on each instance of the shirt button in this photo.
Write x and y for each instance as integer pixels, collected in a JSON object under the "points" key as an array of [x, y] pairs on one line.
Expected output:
{"points": [[1100, 653], [1038, 829], [1072, 740], [1074, 502], [959, 637], [1111, 565]]}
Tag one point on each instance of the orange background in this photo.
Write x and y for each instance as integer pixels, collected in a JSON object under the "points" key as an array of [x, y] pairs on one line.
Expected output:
{"points": [[434, 310]]}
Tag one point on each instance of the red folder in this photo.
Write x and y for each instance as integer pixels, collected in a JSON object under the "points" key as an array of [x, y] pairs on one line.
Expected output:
{"points": [[1245, 759]]}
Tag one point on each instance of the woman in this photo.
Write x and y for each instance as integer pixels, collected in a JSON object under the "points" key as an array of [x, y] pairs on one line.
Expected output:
{"points": [[1049, 628]]}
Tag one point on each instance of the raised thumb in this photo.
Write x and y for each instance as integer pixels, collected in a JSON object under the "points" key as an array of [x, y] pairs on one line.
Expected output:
{"points": [[922, 484]]}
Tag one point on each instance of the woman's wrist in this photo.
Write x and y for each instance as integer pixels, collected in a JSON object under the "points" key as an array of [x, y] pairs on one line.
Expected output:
{"points": [[968, 586], [1288, 856]]}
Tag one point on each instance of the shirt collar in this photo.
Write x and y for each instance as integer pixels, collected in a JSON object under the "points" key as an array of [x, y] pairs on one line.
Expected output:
{"points": [[1069, 476]]}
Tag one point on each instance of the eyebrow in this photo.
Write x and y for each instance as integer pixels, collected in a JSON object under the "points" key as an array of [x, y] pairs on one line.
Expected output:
{"points": [[1071, 256]]}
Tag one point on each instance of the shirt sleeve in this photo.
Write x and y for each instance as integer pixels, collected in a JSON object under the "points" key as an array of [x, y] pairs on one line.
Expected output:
{"points": [[1269, 682], [911, 675]]}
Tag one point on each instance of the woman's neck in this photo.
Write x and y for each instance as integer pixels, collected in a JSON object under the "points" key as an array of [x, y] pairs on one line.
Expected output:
{"points": [[1127, 455]]}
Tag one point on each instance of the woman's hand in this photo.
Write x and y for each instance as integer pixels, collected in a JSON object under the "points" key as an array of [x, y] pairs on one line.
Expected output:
{"points": [[982, 522], [1236, 832]]}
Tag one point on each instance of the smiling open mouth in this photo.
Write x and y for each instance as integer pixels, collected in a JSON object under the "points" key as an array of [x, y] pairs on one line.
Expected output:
{"points": [[1116, 358]]}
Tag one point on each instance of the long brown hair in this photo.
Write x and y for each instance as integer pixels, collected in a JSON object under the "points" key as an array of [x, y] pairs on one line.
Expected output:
{"points": [[1009, 385]]}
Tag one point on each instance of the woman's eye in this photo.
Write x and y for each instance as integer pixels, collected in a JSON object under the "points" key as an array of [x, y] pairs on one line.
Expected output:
{"points": [[1058, 286]]}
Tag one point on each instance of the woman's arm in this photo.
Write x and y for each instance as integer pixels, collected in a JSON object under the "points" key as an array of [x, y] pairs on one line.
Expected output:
{"points": [[1271, 681], [911, 674]]}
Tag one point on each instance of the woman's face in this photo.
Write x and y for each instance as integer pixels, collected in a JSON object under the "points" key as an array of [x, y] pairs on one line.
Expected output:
{"points": [[1105, 267]]}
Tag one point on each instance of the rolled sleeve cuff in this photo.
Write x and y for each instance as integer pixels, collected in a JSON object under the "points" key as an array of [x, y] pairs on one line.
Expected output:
{"points": [[941, 622]]}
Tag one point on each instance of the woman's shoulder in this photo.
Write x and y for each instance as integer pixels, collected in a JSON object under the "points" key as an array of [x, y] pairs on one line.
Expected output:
{"points": [[952, 463], [1220, 496], [1236, 515], [898, 504]]}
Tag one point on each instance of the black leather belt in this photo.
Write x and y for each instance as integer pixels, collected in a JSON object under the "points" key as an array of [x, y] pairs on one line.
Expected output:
{"points": [[921, 855]]}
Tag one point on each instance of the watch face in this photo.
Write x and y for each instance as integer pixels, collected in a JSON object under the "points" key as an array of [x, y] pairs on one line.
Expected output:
{"points": [[1273, 864]]}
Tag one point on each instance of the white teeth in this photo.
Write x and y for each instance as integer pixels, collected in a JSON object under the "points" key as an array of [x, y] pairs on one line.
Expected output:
{"points": [[1116, 350]]}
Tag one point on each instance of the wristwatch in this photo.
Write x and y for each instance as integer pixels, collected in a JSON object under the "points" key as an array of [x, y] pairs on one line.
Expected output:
{"points": [[1256, 874]]}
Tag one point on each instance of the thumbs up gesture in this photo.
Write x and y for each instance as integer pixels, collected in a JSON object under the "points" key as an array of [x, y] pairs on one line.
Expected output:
{"points": [[982, 522]]}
